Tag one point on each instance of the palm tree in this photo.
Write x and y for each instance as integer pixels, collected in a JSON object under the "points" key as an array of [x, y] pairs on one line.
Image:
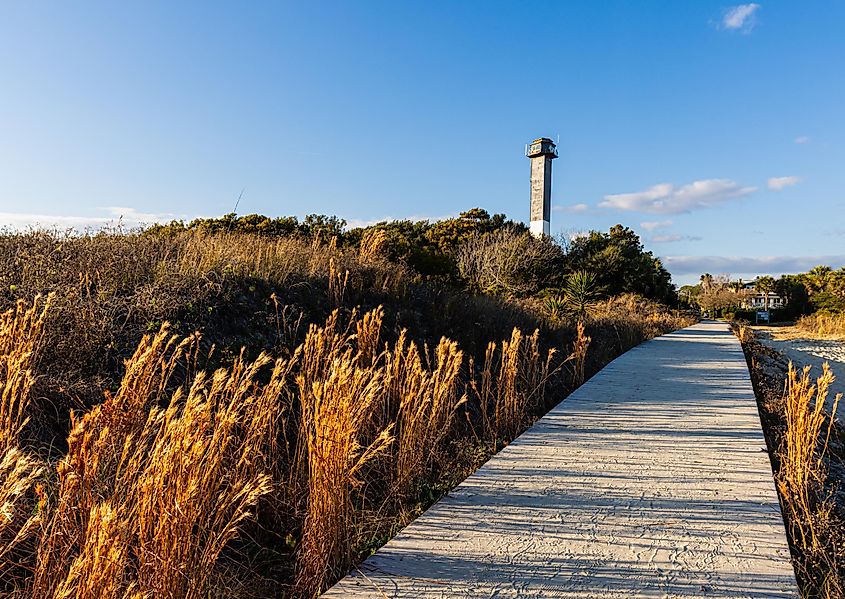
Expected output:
{"points": [[819, 277], [765, 285], [706, 282], [837, 282], [736, 286]]}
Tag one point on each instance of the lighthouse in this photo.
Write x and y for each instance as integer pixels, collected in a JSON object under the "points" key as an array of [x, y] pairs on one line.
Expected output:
{"points": [[541, 152]]}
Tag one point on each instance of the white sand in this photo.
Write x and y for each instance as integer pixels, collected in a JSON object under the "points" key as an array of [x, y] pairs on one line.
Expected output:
{"points": [[803, 351]]}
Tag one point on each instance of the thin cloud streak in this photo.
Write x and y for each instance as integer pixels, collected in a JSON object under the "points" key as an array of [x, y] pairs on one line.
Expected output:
{"points": [[740, 17], [651, 225], [115, 215], [574, 208], [674, 237], [773, 265], [779, 183], [665, 198], [131, 218]]}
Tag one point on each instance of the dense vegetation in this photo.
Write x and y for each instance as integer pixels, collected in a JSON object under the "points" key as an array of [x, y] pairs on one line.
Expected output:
{"points": [[821, 290], [246, 406], [514, 264]]}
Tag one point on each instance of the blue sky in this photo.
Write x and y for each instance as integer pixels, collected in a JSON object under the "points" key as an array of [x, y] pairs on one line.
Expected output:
{"points": [[715, 130]]}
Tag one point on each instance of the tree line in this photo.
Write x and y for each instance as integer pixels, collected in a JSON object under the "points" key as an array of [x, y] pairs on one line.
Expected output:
{"points": [[821, 289], [477, 251]]}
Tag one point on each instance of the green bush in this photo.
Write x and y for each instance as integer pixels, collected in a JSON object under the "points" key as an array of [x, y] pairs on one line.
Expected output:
{"points": [[825, 301]]}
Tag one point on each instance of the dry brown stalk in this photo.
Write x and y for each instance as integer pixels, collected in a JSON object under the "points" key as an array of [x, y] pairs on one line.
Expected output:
{"points": [[21, 334], [427, 403], [353, 400], [511, 405], [744, 333], [510, 386], [337, 284], [20, 516], [99, 569], [334, 412], [161, 476], [368, 336], [161, 480], [803, 470], [578, 357], [372, 245]]}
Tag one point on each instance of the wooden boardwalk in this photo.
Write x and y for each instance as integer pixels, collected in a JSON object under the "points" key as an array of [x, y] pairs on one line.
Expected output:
{"points": [[651, 480]]}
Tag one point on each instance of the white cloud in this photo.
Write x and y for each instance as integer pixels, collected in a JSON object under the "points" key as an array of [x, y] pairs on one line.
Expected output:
{"points": [[673, 237], [651, 225], [129, 217], [665, 198], [572, 208], [773, 265], [802, 139], [128, 214], [573, 235], [740, 17], [358, 223], [778, 183]]}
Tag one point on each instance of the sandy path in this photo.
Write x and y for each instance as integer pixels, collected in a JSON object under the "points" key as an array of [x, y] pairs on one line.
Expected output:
{"points": [[651, 480], [804, 351]]}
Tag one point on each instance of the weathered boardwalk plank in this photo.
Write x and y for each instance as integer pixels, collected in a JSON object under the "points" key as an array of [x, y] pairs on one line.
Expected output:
{"points": [[651, 480]]}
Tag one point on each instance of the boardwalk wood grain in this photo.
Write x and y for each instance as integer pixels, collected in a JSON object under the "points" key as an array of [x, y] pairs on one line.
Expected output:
{"points": [[651, 480]]}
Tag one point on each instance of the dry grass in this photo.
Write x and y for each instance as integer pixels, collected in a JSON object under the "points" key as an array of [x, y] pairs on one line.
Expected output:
{"points": [[281, 260], [803, 474], [21, 333], [336, 412], [112, 287], [21, 470], [20, 474], [175, 483], [823, 325], [358, 405], [156, 482], [427, 399], [161, 477], [636, 318], [744, 332], [578, 357], [338, 401], [510, 387], [373, 245]]}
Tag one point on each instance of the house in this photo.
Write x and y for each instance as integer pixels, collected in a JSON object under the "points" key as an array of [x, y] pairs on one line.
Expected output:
{"points": [[756, 300]]}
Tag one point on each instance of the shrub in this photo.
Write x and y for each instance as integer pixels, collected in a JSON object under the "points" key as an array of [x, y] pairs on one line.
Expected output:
{"points": [[508, 261], [826, 301], [823, 324]]}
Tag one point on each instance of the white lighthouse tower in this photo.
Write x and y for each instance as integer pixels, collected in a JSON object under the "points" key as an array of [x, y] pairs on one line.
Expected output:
{"points": [[541, 152]]}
